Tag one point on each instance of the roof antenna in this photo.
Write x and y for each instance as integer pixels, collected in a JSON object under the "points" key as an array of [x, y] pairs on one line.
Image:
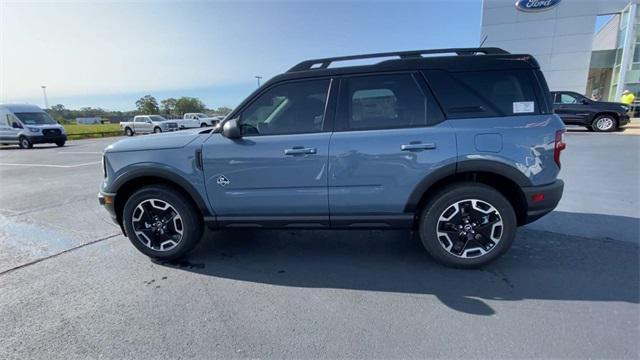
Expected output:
{"points": [[483, 40]]}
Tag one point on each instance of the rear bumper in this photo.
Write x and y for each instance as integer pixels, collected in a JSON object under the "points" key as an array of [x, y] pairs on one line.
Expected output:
{"points": [[536, 207], [48, 139]]}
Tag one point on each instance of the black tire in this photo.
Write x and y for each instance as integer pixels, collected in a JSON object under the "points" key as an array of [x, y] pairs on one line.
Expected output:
{"points": [[604, 123], [203, 125], [25, 143], [443, 201], [128, 131], [191, 222], [60, 143], [157, 130]]}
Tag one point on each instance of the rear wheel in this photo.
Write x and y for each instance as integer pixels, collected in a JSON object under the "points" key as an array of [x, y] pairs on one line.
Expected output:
{"points": [[161, 222], [128, 132], [25, 143], [60, 143], [604, 123], [467, 225]]}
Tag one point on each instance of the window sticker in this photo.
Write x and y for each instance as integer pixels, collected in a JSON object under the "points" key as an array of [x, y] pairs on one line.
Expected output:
{"points": [[520, 107]]}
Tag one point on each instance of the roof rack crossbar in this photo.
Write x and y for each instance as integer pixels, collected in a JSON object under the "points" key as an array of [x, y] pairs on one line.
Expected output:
{"points": [[326, 62]]}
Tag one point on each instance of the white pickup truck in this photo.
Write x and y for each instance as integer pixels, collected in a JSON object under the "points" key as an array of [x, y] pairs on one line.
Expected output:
{"points": [[145, 124], [200, 120]]}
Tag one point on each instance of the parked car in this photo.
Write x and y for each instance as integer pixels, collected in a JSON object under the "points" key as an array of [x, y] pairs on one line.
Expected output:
{"points": [[576, 109], [26, 125], [145, 124], [461, 147], [202, 120]]}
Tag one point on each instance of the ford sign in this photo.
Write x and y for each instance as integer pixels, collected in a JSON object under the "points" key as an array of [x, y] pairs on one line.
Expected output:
{"points": [[536, 5]]}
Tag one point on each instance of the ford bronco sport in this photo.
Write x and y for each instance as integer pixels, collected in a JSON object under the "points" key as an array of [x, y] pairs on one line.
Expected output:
{"points": [[461, 145]]}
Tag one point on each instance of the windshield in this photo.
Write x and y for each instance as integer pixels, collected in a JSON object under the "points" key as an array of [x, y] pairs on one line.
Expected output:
{"points": [[157, 118], [35, 118]]}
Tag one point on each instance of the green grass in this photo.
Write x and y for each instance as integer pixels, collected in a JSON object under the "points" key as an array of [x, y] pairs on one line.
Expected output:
{"points": [[75, 131]]}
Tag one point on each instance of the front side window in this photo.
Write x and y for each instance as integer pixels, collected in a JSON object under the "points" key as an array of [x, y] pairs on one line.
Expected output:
{"points": [[383, 101], [291, 108], [568, 99], [35, 118]]}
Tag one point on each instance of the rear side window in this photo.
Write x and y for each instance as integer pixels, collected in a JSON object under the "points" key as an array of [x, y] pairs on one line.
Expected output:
{"points": [[484, 94], [382, 102]]}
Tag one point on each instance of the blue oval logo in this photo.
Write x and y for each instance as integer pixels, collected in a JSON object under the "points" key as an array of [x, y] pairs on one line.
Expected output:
{"points": [[536, 5]]}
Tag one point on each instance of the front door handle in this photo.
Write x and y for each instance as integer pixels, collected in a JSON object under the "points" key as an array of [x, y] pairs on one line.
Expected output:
{"points": [[299, 150], [418, 146]]}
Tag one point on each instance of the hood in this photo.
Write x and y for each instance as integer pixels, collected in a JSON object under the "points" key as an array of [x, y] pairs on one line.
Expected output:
{"points": [[169, 140], [610, 104]]}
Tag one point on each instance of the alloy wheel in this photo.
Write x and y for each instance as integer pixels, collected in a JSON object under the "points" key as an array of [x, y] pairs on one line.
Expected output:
{"points": [[157, 225], [604, 124], [469, 228]]}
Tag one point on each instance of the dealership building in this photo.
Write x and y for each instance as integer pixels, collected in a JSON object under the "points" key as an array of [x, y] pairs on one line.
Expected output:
{"points": [[561, 35]]}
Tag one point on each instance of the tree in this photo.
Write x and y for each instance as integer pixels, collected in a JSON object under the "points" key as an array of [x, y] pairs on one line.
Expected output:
{"points": [[147, 105], [189, 104], [223, 110], [168, 106]]}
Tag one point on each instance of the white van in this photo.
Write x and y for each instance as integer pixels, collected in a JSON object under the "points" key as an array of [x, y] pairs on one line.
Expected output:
{"points": [[26, 125]]}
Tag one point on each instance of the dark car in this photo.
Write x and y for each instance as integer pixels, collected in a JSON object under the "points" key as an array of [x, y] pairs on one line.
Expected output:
{"points": [[576, 109]]}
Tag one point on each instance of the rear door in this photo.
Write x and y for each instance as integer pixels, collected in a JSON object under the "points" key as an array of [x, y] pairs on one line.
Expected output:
{"points": [[8, 134], [389, 136], [276, 174], [142, 124]]}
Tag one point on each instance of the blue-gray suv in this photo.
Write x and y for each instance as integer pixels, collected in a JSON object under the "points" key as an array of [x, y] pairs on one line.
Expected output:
{"points": [[461, 145]]}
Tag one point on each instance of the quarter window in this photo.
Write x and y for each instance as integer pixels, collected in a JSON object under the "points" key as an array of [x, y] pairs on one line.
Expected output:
{"points": [[291, 108], [383, 101]]}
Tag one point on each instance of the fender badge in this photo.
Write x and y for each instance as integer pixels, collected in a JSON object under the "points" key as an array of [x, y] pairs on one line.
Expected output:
{"points": [[223, 181]]}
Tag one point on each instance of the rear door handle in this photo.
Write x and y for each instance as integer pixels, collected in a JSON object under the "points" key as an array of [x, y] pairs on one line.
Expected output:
{"points": [[299, 150], [418, 146]]}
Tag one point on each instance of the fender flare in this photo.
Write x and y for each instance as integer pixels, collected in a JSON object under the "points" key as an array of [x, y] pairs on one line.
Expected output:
{"points": [[141, 170], [464, 166]]}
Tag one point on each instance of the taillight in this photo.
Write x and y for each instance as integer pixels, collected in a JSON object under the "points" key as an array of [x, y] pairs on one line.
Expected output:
{"points": [[559, 146]]}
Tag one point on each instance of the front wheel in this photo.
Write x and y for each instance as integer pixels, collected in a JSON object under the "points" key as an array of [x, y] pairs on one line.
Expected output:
{"points": [[161, 222], [467, 225], [25, 143], [203, 125], [604, 123], [60, 143], [157, 130]]}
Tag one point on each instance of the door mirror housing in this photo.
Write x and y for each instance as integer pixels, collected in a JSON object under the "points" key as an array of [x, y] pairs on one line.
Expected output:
{"points": [[16, 126], [586, 102], [231, 130]]}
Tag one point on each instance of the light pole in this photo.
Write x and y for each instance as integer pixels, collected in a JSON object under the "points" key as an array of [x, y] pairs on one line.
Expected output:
{"points": [[258, 77], [44, 93]]}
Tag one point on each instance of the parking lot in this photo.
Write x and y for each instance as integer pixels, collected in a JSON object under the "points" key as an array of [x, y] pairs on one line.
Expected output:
{"points": [[71, 286]]}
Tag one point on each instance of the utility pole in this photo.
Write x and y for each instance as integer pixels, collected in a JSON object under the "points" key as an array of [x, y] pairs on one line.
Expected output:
{"points": [[258, 77], [44, 93]]}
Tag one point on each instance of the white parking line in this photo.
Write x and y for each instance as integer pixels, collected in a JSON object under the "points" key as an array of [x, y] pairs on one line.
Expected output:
{"points": [[80, 152], [53, 166]]}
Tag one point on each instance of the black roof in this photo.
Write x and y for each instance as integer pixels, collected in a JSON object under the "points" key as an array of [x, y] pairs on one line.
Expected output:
{"points": [[454, 59]]}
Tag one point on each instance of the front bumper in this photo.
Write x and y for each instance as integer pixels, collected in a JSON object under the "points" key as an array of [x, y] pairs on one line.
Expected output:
{"points": [[624, 119], [541, 200], [108, 201], [46, 139]]}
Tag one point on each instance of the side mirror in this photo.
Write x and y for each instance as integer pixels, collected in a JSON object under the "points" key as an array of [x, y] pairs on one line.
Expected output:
{"points": [[16, 126], [231, 130], [586, 102]]}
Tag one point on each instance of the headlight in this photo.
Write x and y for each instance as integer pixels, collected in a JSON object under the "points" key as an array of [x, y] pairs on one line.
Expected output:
{"points": [[34, 129]]}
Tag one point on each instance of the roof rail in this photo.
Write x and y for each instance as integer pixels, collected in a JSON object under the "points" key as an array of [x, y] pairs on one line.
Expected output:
{"points": [[324, 63]]}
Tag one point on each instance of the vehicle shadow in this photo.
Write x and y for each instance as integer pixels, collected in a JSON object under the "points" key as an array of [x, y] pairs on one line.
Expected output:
{"points": [[35, 147], [541, 265]]}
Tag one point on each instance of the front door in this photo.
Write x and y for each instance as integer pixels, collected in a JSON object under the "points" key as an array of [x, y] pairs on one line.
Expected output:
{"points": [[570, 108], [389, 136], [276, 174]]}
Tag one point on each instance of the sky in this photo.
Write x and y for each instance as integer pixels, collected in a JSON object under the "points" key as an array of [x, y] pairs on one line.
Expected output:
{"points": [[109, 54]]}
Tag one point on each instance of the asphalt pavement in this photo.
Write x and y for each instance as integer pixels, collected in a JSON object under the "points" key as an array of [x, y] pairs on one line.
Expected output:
{"points": [[72, 287]]}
